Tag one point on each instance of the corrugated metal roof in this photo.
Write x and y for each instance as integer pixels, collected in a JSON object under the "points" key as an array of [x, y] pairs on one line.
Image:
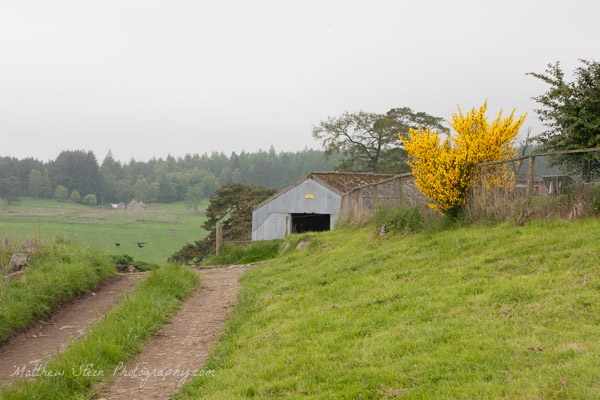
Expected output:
{"points": [[343, 182]]}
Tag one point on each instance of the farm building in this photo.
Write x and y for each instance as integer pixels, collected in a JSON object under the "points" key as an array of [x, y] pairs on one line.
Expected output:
{"points": [[136, 205], [312, 204]]}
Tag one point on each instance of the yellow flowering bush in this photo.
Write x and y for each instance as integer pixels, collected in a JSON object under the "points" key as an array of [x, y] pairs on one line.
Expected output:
{"points": [[445, 168]]}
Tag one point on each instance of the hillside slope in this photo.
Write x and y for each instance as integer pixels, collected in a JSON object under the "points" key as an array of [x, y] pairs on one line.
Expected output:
{"points": [[478, 312]]}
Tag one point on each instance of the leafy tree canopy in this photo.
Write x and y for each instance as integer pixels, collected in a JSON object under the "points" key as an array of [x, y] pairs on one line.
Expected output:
{"points": [[76, 170], [9, 189], [61, 193], [39, 184], [369, 141], [164, 180], [570, 110], [232, 207]]}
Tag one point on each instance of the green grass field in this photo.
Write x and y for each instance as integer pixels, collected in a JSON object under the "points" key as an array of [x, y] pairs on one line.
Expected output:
{"points": [[493, 312], [165, 228], [482, 312]]}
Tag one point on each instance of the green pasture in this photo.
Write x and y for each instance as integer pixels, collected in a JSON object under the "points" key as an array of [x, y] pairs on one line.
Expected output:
{"points": [[478, 312], [164, 228]]}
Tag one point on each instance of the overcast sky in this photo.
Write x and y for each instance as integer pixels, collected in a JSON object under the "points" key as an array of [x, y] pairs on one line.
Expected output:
{"points": [[148, 78]]}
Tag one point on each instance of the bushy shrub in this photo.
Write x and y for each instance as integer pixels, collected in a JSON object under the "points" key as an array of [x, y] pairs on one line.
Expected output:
{"points": [[126, 259], [444, 163], [254, 252], [406, 218], [61, 193], [75, 197], [193, 253], [90, 200]]}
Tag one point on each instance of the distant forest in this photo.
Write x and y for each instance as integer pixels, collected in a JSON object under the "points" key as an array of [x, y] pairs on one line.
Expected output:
{"points": [[78, 176]]}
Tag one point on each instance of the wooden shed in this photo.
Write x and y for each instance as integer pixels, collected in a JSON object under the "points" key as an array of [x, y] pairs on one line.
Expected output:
{"points": [[311, 204]]}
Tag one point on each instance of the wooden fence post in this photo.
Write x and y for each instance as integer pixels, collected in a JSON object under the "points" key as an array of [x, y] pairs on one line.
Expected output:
{"points": [[360, 206], [219, 239], [375, 197], [530, 175], [400, 191]]}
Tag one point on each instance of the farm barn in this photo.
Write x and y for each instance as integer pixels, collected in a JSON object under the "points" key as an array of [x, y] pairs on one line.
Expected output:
{"points": [[312, 204]]}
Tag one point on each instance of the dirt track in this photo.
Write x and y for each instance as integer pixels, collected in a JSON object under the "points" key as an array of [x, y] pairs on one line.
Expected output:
{"points": [[45, 338], [183, 345], [172, 357]]}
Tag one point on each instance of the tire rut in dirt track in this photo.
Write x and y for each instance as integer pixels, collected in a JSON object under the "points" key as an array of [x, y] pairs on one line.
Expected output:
{"points": [[45, 338], [183, 344]]}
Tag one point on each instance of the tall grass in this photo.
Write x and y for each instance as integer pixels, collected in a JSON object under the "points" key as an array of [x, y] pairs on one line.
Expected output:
{"points": [[404, 219], [113, 339], [499, 312], [577, 201], [58, 272], [254, 252]]}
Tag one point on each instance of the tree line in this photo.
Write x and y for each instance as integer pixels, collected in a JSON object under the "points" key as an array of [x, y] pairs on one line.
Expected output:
{"points": [[76, 175], [361, 141]]}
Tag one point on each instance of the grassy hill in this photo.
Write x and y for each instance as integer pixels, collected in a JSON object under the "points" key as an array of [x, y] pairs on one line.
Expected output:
{"points": [[498, 312], [165, 228]]}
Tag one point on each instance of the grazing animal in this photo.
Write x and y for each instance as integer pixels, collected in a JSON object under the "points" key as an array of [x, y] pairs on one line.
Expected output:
{"points": [[117, 244]]}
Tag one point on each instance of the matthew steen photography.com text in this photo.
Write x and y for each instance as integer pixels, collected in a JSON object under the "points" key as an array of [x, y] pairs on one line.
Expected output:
{"points": [[121, 370]]}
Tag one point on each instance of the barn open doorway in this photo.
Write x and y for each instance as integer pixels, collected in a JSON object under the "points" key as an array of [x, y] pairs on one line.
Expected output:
{"points": [[310, 222]]}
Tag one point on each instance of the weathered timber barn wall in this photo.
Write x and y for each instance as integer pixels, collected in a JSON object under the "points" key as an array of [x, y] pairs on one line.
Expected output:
{"points": [[312, 204]]}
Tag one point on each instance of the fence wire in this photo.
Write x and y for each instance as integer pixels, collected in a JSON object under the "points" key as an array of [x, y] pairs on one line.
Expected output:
{"points": [[542, 184], [360, 202], [557, 183]]}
